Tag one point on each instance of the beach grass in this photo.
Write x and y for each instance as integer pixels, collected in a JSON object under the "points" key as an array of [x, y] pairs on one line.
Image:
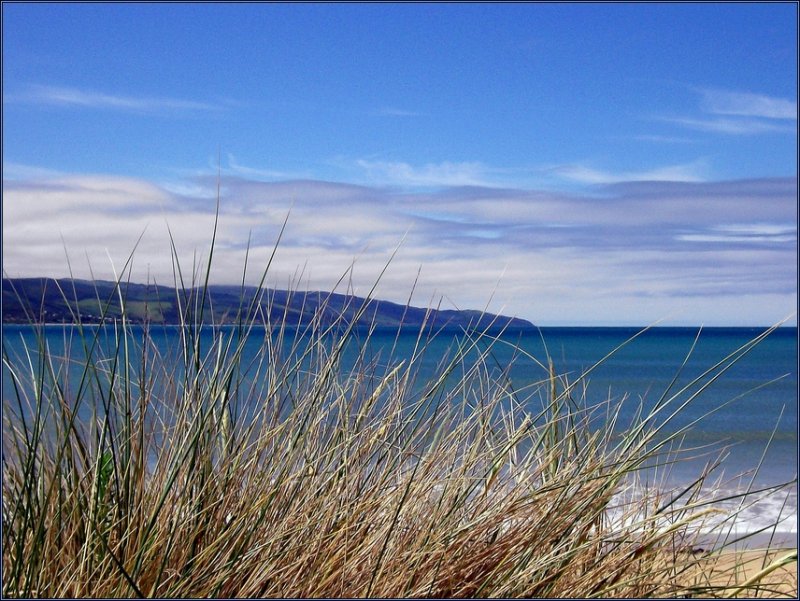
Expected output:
{"points": [[205, 472]]}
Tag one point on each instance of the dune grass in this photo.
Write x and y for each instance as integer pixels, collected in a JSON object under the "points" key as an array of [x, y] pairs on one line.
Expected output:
{"points": [[206, 472]]}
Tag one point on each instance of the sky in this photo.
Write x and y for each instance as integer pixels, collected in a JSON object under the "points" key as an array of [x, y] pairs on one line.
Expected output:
{"points": [[570, 164]]}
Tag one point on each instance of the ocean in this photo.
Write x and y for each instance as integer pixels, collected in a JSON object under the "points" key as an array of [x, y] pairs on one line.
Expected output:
{"points": [[749, 413]]}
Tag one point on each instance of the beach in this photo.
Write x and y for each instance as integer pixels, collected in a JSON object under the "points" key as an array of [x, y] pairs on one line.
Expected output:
{"points": [[734, 568]]}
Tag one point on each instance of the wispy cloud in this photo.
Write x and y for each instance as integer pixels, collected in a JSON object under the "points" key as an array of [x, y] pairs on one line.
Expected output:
{"points": [[748, 233], [78, 98], [739, 113], [429, 175], [721, 125], [645, 246], [235, 167], [746, 104], [689, 172], [660, 139]]}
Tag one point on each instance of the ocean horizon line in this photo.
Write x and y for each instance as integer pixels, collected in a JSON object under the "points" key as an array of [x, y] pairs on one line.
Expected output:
{"points": [[446, 328]]}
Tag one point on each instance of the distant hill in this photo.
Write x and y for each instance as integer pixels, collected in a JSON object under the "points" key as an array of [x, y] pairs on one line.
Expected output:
{"points": [[39, 300]]}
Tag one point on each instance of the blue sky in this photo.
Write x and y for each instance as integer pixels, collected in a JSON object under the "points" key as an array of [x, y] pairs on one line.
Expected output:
{"points": [[566, 163]]}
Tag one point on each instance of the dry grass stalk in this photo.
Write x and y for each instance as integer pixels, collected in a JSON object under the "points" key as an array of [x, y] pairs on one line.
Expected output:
{"points": [[131, 473]]}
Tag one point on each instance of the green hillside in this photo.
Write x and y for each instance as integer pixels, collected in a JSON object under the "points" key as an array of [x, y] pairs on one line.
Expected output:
{"points": [[46, 300]]}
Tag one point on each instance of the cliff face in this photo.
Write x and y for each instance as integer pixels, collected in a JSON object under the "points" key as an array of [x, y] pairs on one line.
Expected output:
{"points": [[37, 300]]}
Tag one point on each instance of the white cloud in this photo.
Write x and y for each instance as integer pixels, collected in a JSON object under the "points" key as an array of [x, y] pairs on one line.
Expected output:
{"points": [[631, 253], [759, 229], [74, 97], [749, 233], [689, 172], [658, 139], [727, 238], [724, 102], [65, 197], [258, 172], [431, 174], [739, 113], [745, 126]]}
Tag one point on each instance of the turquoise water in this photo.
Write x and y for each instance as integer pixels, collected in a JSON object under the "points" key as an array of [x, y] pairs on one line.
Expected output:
{"points": [[762, 386]]}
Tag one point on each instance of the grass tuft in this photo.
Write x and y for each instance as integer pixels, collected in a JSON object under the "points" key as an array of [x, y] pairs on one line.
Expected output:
{"points": [[204, 471]]}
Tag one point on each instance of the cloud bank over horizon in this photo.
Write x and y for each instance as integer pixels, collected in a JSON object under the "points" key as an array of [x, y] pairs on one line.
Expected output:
{"points": [[689, 252], [566, 163]]}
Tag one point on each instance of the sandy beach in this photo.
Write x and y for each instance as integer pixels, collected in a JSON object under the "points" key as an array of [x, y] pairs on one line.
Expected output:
{"points": [[735, 568]]}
